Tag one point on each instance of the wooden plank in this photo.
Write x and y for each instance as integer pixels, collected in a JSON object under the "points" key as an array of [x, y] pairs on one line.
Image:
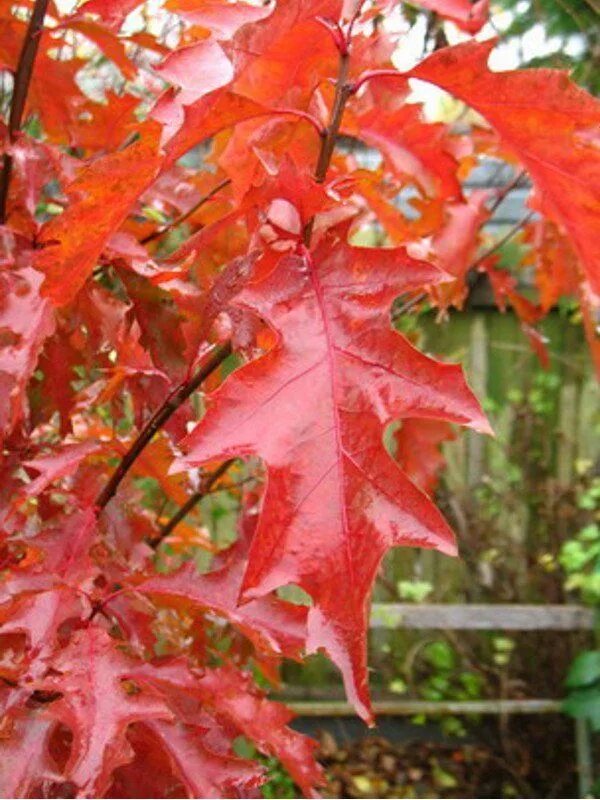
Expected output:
{"points": [[408, 708], [482, 617]]}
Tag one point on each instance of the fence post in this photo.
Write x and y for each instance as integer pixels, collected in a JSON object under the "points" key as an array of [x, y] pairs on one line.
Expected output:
{"points": [[585, 767]]}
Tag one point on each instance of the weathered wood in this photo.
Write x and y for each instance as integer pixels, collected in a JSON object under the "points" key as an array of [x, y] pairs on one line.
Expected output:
{"points": [[408, 708], [482, 617]]}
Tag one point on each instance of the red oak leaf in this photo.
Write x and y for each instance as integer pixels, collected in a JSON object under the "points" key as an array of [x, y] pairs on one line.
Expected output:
{"points": [[232, 703], [89, 673], [454, 246], [110, 46], [272, 60], [111, 12], [39, 616], [159, 320], [412, 148], [314, 408], [418, 450], [272, 625], [555, 265], [469, 17], [101, 198], [51, 92], [24, 758], [219, 16], [197, 69], [66, 544], [58, 464], [26, 320], [556, 140], [205, 773]]}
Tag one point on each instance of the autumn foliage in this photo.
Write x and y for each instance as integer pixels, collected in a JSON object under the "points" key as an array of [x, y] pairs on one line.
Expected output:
{"points": [[186, 309]]}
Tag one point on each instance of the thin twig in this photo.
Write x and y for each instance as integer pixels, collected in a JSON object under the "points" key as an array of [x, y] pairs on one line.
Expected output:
{"points": [[413, 301], [506, 190], [502, 241], [408, 305], [342, 93], [23, 74], [158, 419], [206, 484], [186, 214]]}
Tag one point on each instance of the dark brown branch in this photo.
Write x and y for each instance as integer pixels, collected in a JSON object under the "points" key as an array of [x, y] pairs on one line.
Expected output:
{"points": [[502, 241], [158, 419], [206, 484], [187, 214], [342, 93], [506, 190], [22, 80]]}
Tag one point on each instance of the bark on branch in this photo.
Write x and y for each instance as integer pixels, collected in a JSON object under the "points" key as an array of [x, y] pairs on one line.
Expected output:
{"points": [[22, 81], [158, 419]]}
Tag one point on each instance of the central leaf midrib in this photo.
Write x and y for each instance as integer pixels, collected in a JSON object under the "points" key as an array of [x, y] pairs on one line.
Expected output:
{"points": [[330, 349]]}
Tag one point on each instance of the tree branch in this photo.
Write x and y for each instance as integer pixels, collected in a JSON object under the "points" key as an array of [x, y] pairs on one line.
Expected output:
{"points": [[502, 241], [506, 190], [342, 93], [23, 74], [187, 214], [206, 484], [158, 419]]}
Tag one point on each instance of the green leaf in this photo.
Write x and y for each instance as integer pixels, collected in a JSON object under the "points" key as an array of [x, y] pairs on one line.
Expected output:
{"points": [[584, 670], [440, 655], [584, 704]]}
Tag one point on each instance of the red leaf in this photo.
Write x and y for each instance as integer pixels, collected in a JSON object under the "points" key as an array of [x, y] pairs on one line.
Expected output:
{"points": [[89, 673], [159, 320], [272, 625], [553, 138], [272, 60], [60, 463], [26, 320], [469, 17], [24, 758], [197, 69], [237, 708], [40, 615], [412, 148], [101, 198], [219, 16], [314, 408], [111, 12], [204, 773], [418, 450], [454, 246], [66, 545]]}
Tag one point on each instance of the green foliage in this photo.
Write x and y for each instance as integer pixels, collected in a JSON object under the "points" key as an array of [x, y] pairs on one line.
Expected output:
{"points": [[414, 591], [580, 559], [435, 672], [278, 784], [580, 556], [583, 684]]}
